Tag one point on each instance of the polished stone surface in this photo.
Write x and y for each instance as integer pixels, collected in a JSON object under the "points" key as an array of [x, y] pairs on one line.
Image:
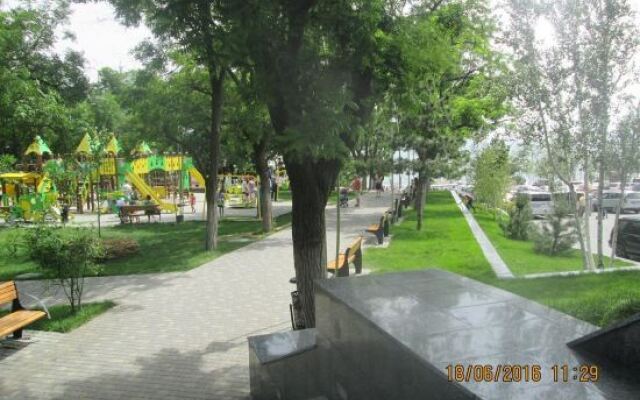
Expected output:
{"points": [[287, 365], [274, 347], [619, 343], [399, 332]]}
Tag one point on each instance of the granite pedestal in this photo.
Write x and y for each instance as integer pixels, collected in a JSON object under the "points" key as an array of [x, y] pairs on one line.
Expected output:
{"points": [[393, 336]]}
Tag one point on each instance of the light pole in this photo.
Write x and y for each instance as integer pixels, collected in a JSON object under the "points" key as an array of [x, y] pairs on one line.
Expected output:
{"points": [[335, 271]]}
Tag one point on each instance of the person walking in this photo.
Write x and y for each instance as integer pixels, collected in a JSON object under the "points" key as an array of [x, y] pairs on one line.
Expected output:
{"points": [[192, 202], [379, 180], [274, 186], [356, 186]]}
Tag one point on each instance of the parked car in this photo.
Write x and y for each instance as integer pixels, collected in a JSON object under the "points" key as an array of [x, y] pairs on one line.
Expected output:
{"points": [[611, 199], [541, 203], [628, 242]]}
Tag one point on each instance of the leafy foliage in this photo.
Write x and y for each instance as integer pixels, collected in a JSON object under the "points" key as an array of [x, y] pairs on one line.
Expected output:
{"points": [[70, 257], [556, 234], [40, 89], [517, 225], [492, 171]]}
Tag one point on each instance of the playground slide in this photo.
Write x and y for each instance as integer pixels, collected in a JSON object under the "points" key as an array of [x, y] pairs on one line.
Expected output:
{"points": [[146, 190], [197, 176], [45, 184]]}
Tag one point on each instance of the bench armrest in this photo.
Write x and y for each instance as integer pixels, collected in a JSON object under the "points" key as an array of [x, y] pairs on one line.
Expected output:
{"points": [[39, 302]]}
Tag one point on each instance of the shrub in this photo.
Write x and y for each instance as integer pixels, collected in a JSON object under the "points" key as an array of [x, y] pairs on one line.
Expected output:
{"points": [[516, 224], [67, 257], [13, 244], [556, 234], [118, 248]]}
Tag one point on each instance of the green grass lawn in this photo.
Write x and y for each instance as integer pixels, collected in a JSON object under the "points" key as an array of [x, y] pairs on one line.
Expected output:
{"points": [[447, 243], [163, 247], [63, 321], [519, 254]]}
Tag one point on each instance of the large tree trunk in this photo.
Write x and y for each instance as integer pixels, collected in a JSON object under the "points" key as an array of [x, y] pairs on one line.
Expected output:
{"points": [[311, 183], [601, 211], [614, 232], [216, 80], [420, 198], [574, 203], [262, 167], [588, 255]]}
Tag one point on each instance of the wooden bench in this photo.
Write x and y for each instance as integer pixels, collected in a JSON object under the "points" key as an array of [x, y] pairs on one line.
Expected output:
{"points": [[129, 213], [378, 229], [19, 316], [352, 255]]}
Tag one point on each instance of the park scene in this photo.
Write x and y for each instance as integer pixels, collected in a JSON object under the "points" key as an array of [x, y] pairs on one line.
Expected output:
{"points": [[320, 200]]}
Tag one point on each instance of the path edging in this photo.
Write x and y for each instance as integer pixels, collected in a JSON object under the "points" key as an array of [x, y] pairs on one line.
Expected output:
{"points": [[498, 265]]}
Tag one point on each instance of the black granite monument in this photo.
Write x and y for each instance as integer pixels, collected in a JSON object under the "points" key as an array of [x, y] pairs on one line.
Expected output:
{"points": [[435, 335]]}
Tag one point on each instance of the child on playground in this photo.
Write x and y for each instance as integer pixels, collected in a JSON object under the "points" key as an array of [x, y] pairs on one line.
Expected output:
{"points": [[192, 202]]}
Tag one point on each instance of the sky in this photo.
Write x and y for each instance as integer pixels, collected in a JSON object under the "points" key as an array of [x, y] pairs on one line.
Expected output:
{"points": [[105, 42]]}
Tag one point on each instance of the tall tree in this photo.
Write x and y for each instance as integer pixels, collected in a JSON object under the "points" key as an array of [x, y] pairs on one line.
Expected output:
{"points": [[612, 38], [492, 171], [449, 90], [565, 86], [625, 158], [315, 64], [248, 123], [201, 29], [38, 88]]}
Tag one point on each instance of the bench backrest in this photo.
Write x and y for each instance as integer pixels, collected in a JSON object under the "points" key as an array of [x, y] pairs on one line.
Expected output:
{"points": [[355, 246], [8, 292]]}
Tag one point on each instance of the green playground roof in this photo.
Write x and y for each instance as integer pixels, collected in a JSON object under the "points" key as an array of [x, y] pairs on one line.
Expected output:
{"points": [[113, 147], [38, 147], [85, 145], [142, 148]]}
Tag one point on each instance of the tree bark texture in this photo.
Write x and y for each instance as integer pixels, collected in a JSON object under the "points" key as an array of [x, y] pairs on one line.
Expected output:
{"points": [[420, 198], [311, 184], [260, 159], [216, 80]]}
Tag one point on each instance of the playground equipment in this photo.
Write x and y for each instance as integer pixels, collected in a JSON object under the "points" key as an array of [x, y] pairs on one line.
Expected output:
{"points": [[162, 178], [30, 195], [235, 195]]}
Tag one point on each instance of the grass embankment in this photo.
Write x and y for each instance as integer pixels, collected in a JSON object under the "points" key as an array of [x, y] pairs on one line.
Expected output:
{"points": [[447, 243], [63, 321], [163, 247], [519, 254]]}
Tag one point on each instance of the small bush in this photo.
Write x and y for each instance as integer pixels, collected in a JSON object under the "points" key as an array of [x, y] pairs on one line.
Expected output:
{"points": [[114, 249], [68, 257], [556, 234], [516, 225]]}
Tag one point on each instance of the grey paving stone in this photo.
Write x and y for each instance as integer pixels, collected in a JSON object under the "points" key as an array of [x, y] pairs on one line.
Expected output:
{"points": [[175, 335]]}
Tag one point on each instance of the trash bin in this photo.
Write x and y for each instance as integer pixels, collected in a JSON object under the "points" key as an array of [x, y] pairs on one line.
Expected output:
{"points": [[295, 308]]}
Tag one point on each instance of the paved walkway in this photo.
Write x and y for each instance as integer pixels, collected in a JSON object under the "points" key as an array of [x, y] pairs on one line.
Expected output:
{"points": [[172, 336], [490, 253]]}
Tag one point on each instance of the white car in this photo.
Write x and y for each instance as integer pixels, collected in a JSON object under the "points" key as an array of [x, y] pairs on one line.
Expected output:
{"points": [[611, 199], [541, 203]]}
